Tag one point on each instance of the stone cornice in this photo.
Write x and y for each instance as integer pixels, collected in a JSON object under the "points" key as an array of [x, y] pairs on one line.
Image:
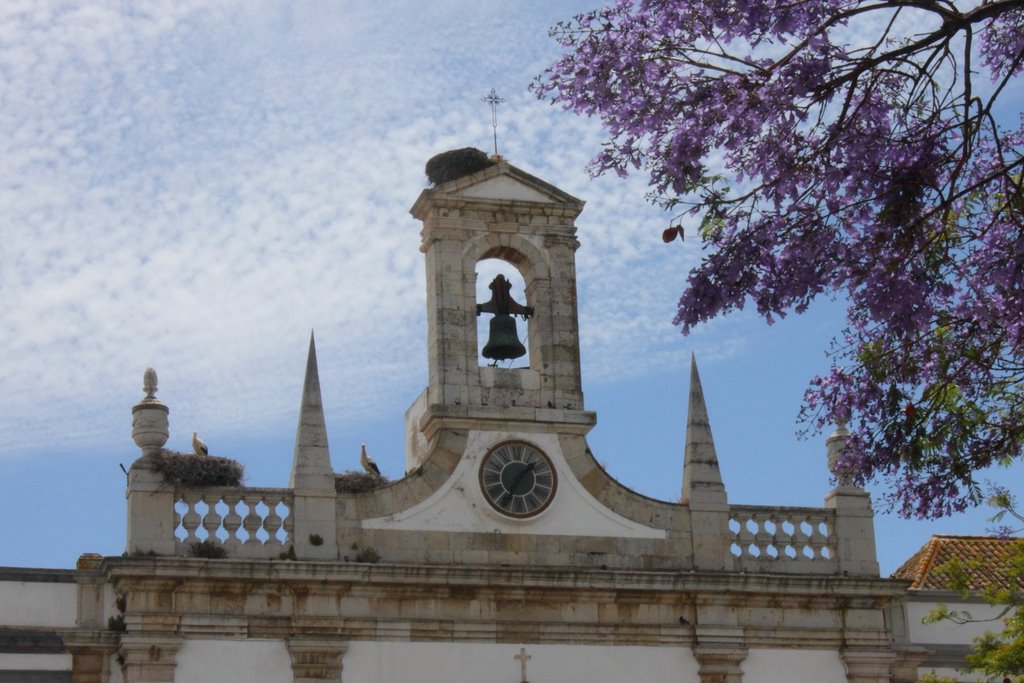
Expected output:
{"points": [[160, 570], [523, 418]]}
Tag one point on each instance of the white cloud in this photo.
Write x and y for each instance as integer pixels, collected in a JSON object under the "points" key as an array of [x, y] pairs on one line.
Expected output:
{"points": [[197, 185]]}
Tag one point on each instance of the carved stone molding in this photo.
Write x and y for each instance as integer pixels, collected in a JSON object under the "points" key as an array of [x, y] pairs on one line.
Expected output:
{"points": [[90, 652], [868, 666], [316, 659], [148, 658], [720, 663]]}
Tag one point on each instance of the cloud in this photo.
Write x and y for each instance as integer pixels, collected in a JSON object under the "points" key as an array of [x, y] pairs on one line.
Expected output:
{"points": [[196, 186]]}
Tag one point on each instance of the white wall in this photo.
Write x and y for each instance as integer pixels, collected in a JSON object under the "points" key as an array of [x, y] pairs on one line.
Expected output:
{"points": [[786, 666], [34, 604], [10, 661], [393, 662], [252, 661], [458, 505], [947, 632], [267, 661]]}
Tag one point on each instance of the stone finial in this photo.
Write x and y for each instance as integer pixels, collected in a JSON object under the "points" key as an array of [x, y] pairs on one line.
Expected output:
{"points": [[311, 462], [149, 383], [836, 447], [149, 417], [702, 479]]}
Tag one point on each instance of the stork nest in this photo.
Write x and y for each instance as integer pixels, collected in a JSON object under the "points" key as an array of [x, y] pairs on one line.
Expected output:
{"points": [[448, 166], [187, 470], [357, 482]]}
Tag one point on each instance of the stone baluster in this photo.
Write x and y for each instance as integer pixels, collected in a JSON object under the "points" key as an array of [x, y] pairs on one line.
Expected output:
{"points": [[232, 522], [212, 519], [272, 522], [252, 522], [191, 520]]}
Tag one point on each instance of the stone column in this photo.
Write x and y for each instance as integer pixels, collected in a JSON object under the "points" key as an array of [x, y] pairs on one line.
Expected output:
{"points": [[149, 658], [316, 659]]}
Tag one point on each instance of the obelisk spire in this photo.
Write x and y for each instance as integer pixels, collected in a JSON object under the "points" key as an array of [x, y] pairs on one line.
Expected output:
{"points": [[311, 463], [702, 480]]}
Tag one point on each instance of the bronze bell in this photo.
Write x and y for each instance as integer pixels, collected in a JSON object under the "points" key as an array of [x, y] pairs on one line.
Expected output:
{"points": [[503, 342]]}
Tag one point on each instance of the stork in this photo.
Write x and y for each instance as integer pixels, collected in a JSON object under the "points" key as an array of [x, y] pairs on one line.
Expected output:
{"points": [[367, 462], [198, 446]]}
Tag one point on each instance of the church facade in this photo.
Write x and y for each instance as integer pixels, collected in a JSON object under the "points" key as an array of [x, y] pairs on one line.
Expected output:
{"points": [[506, 553]]}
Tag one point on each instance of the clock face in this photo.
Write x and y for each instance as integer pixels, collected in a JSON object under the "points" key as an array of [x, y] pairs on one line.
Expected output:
{"points": [[517, 479]]}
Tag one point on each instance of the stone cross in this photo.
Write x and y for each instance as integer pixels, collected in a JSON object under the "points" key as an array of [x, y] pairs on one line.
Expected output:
{"points": [[523, 657], [492, 98]]}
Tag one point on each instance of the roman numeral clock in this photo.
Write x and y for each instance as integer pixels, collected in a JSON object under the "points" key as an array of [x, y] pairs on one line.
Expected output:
{"points": [[517, 479]]}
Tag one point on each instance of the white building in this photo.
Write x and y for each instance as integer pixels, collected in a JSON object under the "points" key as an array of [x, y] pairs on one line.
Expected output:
{"points": [[506, 554]]}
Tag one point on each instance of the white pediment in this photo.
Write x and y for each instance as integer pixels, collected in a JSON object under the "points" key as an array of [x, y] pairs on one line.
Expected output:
{"points": [[504, 187], [460, 506]]}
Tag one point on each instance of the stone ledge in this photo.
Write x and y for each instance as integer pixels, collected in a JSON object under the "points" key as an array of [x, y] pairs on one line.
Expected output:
{"points": [[437, 417], [182, 569], [36, 575], [33, 641]]}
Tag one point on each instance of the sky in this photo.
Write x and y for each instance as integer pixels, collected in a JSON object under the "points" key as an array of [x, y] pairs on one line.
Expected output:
{"points": [[195, 185]]}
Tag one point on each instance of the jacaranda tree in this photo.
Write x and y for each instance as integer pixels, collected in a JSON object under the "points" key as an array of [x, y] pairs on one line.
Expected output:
{"points": [[865, 149]]}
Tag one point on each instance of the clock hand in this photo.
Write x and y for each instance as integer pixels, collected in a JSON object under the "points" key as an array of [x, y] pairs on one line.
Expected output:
{"points": [[519, 477]]}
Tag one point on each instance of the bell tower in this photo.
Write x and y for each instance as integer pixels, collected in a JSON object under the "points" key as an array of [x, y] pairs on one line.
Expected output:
{"points": [[480, 208]]}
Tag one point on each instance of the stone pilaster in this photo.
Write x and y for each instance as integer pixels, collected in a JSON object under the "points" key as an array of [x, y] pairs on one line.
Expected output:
{"points": [[90, 652], [91, 583], [148, 658], [868, 666], [855, 519], [316, 659], [720, 653], [150, 510]]}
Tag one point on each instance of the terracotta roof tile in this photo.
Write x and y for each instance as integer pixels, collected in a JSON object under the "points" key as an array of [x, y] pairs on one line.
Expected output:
{"points": [[986, 561]]}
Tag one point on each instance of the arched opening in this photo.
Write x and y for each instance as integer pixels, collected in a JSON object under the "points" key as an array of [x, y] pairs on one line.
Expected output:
{"points": [[486, 271]]}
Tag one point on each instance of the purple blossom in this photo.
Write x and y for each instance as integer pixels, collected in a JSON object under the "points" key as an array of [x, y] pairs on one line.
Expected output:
{"points": [[877, 173]]}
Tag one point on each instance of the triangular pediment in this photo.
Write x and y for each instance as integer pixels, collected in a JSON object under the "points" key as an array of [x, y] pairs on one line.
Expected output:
{"points": [[504, 187], [504, 182]]}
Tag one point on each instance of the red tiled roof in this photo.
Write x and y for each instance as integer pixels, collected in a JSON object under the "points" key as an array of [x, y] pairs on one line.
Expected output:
{"points": [[985, 559]]}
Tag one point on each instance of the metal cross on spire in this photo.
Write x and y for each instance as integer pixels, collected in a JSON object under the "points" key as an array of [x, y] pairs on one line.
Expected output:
{"points": [[494, 100]]}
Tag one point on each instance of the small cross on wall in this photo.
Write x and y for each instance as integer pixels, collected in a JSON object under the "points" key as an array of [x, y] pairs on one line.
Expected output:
{"points": [[523, 657]]}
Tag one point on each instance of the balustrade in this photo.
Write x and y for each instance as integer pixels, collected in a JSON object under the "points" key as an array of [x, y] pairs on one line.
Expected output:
{"points": [[769, 536], [246, 522]]}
